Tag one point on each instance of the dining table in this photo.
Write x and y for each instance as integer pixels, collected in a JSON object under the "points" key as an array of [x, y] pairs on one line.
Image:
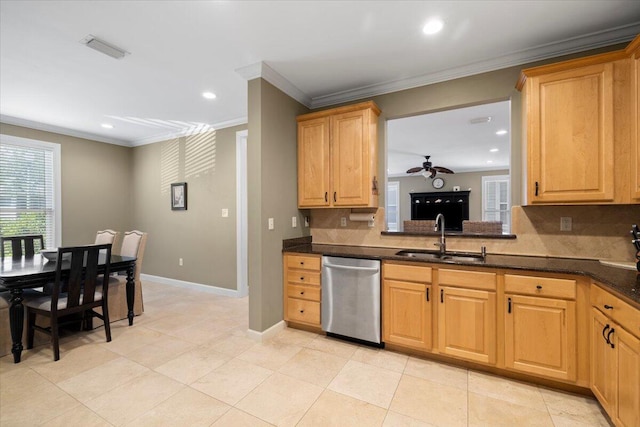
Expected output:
{"points": [[18, 274]]}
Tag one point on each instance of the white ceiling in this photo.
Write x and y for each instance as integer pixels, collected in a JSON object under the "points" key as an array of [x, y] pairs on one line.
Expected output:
{"points": [[320, 52]]}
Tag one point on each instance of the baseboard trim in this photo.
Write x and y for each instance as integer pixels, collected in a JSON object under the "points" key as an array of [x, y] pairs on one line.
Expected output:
{"points": [[266, 334], [191, 285]]}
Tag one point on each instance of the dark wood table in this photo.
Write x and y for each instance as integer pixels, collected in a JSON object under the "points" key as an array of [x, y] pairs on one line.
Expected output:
{"points": [[36, 271]]}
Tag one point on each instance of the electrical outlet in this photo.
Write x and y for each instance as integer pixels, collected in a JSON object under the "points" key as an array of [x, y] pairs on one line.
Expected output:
{"points": [[271, 224], [225, 213], [180, 262], [294, 221], [565, 223], [343, 221]]}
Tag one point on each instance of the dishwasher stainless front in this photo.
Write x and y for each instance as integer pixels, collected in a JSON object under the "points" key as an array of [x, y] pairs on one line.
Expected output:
{"points": [[351, 299]]}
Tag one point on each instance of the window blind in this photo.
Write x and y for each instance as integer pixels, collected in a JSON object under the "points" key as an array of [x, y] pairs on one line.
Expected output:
{"points": [[27, 190]]}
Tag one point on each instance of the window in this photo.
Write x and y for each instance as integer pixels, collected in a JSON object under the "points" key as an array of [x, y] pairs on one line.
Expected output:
{"points": [[393, 208], [30, 189], [496, 203]]}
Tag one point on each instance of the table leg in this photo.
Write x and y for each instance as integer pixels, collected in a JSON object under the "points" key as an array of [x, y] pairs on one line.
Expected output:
{"points": [[131, 293], [16, 322]]}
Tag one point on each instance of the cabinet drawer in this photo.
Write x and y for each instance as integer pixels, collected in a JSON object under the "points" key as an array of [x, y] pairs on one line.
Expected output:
{"points": [[540, 286], [311, 293], [467, 279], [411, 273], [303, 277], [303, 262], [624, 314], [303, 311]]}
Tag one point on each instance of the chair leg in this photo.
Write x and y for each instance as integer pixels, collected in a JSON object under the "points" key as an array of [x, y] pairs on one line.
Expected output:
{"points": [[31, 320], [54, 338], [107, 324]]}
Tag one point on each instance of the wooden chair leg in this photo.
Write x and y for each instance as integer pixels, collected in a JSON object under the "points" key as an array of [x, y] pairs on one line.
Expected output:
{"points": [[55, 339], [107, 324], [31, 320]]}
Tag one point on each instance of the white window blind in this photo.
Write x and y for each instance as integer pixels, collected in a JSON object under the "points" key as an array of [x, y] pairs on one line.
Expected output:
{"points": [[393, 206], [29, 189], [496, 204]]}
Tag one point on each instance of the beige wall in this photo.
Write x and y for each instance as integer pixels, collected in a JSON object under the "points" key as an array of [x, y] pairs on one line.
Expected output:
{"points": [[467, 180], [272, 161], [96, 184], [199, 235]]}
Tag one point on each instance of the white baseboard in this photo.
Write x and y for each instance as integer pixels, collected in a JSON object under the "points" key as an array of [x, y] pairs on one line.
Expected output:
{"points": [[266, 334], [191, 285]]}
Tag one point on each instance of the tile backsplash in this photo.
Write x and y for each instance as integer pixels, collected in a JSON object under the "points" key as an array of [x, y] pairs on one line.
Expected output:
{"points": [[599, 232]]}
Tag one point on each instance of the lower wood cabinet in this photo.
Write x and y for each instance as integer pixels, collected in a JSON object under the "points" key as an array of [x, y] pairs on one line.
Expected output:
{"points": [[302, 290], [540, 336], [467, 324], [407, 295]]}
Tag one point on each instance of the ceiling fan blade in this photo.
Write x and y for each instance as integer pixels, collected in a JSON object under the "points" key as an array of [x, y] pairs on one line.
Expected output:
{"points": [[416, 169], [443, 170], [433, 173]]}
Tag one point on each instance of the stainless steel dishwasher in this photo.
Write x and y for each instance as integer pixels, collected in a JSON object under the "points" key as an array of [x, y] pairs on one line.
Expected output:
{"points": [[351, 299]]}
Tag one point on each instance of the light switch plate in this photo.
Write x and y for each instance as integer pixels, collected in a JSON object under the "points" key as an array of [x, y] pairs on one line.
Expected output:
{"points": [[225, 213], [294, 221], [343, 221], [565, 223], [271, 224]]}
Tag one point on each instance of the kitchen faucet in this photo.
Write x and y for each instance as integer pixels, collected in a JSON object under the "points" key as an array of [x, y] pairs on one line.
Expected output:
{"points": [[443, 242]]}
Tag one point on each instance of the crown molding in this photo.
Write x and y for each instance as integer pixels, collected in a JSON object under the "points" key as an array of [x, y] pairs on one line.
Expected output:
{"points": [[537, 53], [16, 121], [261, 69]]}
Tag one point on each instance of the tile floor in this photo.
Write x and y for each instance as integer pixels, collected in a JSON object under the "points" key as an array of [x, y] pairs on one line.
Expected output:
{"points": [[187, 362]]}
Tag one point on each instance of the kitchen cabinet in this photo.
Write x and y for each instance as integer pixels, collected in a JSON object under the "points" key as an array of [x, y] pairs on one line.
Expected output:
{"points": [[467, 315], [406, 305], [634, 52], [615, 357], [302, 291], [337, 157], [581, 130], [540, 326]]}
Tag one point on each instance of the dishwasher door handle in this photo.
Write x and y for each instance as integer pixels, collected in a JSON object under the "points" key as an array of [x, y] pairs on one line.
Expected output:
{"points": [[350, 267]]}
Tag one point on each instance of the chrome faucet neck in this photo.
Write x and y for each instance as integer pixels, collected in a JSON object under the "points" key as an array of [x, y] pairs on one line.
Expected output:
{"points": [[443, 242]]}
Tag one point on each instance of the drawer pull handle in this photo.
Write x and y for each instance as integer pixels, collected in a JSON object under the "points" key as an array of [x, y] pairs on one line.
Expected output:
{"points": [[441, 296], [301, 292], [301, 311], [301, 277], [509, 305], [325, 197], [301, 262], [539, 287], [609, 339], [608, 307], [427, 294], [604, 330]]}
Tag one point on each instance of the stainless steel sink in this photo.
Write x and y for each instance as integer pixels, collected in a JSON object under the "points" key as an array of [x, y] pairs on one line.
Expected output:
{"points": [[449, 256]]}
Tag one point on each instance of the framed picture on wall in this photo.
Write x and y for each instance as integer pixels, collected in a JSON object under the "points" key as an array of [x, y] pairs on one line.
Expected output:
{"points": [[179, 196]]}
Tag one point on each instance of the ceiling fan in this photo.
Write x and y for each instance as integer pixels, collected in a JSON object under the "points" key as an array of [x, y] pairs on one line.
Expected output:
{"points": [[429, 169]]}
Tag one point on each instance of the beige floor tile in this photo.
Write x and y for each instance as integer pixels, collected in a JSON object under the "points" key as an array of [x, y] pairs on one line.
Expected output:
{"points": [[295, 337], [437, 372], [72, 362], [516, 392], [335, 409], [430, 402], [381, 358], [78, 416], [203, 332], [280, 400], [560, 421], [313, 366], [333, 346], [237, 418], [394, 419], [188, 407], [171, 324], [130, 400], [231, 344], [199, 362], [131, 338], [232, 381], [487, 411], [271, 354], [366, 382], [101, 379], [160, 352], [579, 409]]}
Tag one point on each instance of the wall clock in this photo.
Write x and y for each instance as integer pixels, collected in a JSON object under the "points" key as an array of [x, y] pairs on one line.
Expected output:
{"points": [[437, 183]]}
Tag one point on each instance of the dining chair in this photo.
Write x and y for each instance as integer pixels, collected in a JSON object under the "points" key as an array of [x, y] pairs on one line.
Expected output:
{"points": [[133, 244], [86, 290], [17, 242], [106, 236]]}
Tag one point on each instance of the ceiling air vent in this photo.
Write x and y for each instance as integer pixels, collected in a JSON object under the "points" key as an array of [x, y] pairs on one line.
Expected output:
{"points": [[102, 46]]}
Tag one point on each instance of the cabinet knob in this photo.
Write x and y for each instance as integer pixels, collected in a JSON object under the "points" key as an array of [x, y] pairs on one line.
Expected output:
{"points": [[301, 292], [301, 311], [301, 262], [301, 277], [608, 307], [539, 287]]}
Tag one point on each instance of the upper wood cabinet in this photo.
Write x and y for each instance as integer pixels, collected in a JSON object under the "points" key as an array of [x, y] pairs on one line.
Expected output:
{"points": [[581, 129], [634, 51], [337, 157]]}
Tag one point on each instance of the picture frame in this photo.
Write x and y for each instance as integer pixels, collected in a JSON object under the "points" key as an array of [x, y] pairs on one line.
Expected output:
{"points": [[179, 196]]}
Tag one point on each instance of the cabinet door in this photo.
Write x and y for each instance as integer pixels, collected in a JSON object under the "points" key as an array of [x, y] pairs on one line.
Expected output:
{"points": [[603, 364], [467, 324], [635, 139], [570, 135], [313, 163], [350, 158], [540, 336], [407, 314], [628, 378]]}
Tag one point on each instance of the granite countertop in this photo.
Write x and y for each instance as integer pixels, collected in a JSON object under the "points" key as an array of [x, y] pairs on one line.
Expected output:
{"points": [[622, 282]]}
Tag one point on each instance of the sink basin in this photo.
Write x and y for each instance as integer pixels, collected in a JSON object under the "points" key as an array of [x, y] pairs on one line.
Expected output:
{"points": [[449, 256]]}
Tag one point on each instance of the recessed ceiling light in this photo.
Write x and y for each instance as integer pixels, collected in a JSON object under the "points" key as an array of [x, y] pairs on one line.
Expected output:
{"points": [[479, 120], [494, 150], [501, 132], [489, 161], [107, 125], [209, 95], [433, 26]]}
